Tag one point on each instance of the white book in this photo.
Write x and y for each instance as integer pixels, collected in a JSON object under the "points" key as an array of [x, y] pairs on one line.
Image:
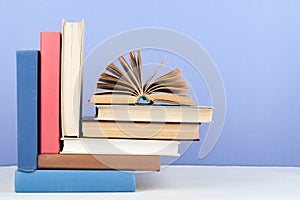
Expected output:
{"points": [[71, 76], [120, 146]]}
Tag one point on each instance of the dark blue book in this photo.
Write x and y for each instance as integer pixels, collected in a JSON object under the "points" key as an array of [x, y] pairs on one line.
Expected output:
{"points": [[75, 181], [27, 109]]}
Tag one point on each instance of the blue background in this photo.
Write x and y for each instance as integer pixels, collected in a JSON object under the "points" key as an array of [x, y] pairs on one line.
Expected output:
{"points": [[255, 45]]}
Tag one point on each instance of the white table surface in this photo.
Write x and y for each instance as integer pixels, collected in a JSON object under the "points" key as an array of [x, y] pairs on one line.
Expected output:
{"points": [[187, 182]]}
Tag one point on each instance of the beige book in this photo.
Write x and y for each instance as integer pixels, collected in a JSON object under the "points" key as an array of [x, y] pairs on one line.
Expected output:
{"points": [[140, 130], [155, 113], [71, 76]]}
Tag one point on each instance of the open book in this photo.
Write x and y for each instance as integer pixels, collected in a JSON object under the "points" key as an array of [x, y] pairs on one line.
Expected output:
{"points": [[127, 87]]}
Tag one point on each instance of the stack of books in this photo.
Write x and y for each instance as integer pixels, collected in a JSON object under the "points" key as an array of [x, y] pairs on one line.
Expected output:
{"points": [[58, 151]]}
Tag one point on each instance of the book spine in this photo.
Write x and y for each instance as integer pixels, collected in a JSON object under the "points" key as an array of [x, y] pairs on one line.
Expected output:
{"points": [[50, 92], [75, 181], [27, 109]]}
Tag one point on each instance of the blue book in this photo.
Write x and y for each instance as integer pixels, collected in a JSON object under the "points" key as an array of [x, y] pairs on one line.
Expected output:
{"points": [[27, 109], [75, 181]]}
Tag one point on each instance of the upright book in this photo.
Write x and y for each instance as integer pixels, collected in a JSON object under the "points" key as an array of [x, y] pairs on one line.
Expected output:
{"points": [[27, 109], [71, 76], [75, 181], [50, 92]]}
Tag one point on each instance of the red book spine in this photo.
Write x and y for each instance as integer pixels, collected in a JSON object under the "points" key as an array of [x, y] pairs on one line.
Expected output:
{"points": [[50, 45]]}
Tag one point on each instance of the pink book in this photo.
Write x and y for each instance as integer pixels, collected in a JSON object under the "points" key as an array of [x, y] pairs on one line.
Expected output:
{"points": [[50, 92]]}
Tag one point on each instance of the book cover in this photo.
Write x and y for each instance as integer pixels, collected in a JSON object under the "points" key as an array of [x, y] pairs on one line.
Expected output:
{"points": [[99, 161], [71, 77], [27, 108], [50, 92], [75, 181]]}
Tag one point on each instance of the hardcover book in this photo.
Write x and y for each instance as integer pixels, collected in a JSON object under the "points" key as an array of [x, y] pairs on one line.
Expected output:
{"points": [[139, 130], [99, 161], [154, 113], [50, 92], [71, 76], [27, 109], [119, 146], [75, 181]]}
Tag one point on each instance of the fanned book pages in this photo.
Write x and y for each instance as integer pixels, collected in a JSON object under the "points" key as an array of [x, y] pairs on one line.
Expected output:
{"points": [[127, 86], [71, 76]]}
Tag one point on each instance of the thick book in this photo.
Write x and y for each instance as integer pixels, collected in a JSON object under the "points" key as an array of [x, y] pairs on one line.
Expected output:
{"points": [[155, 113], [128, 87], [119, 146], [97, 161], [71, 76], [50, 92], [75, 181], [27, 108], [139, 130]]}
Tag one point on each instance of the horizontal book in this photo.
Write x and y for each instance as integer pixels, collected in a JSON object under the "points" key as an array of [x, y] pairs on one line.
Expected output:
{"points": [[88, 161], [119, 146], [75, 181], [27, 108], [139, 130], [154, 113], [127, 86]]}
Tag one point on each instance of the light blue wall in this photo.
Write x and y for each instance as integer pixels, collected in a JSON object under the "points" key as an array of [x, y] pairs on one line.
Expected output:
{"points": [[255, 44]]}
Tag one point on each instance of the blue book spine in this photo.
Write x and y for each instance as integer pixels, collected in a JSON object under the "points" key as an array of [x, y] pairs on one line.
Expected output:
{"points": [[27, 109], [75, 181]]}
